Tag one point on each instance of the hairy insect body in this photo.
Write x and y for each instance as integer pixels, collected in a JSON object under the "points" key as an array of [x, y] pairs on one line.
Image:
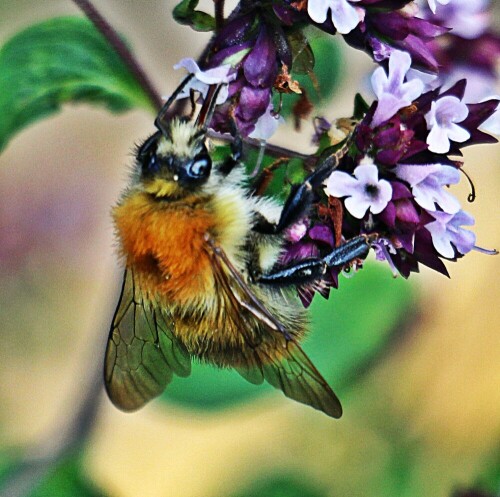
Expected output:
{"points": [[164, 242], [203, 278]]}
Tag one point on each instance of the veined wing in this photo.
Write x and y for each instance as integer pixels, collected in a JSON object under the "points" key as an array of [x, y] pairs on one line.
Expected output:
{"points": [[142, 353], [289, 369]]}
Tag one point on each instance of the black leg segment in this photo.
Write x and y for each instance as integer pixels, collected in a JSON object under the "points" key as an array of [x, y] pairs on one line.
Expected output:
{"points": [[313, 269]]}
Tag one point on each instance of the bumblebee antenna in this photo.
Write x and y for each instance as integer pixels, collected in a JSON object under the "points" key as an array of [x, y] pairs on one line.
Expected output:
{"points": [[161, 119], [208, 108]]}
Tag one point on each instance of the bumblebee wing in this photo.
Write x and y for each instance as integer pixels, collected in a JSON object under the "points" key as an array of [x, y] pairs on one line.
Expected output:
{"points": [[290, 370], [142, 353], [298, 378]]}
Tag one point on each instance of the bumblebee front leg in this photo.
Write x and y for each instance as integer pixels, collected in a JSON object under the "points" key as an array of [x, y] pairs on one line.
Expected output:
{"points": [[302, 196], [313, 269], [236, 152]]}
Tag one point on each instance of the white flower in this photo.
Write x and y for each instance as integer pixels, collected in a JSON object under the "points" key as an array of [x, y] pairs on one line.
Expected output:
{"points": [[203, 79], [364, 191], [267, 124], [391, 90], [427, 182], [344, 15], [441, 122], [432, 4], [446, 233]]}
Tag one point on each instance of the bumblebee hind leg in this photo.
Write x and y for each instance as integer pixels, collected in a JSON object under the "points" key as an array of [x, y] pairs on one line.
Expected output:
{"points": [[313, 269]]}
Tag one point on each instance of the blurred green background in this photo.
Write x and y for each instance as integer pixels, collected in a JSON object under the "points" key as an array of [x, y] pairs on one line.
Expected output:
{"points": [[416, 364]]}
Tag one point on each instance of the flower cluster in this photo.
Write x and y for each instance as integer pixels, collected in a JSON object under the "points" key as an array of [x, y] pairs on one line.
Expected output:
{"points": [[393, 184], [394, 181], [255, 43], [379, 27]]}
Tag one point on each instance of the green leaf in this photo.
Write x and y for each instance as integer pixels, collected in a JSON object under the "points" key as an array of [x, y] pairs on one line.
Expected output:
{"points": [[327, 59], [349, 331], [184, 13], [57, 61]]}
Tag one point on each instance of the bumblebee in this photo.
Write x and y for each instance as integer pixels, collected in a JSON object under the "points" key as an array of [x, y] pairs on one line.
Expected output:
{"points": [[202, 278]]}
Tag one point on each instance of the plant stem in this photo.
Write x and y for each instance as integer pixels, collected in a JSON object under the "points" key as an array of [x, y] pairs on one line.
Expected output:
{"points": [[219, 14], [272, 150], [121, 49]]}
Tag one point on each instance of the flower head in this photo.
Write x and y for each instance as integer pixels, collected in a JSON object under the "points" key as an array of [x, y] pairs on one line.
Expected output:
{"points": [[447, 234], [392, 92], [441, 121], [364, 191], [427, 182], [343, 14], [203, 79]]}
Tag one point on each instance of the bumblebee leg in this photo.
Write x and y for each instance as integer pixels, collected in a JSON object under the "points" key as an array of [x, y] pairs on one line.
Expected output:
{"points": [[301, 197], [236, 152], [296, 205], [310, 270]]}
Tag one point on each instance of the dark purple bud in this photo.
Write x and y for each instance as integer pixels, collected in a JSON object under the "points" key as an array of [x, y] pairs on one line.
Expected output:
{"points": [[406, 241], [253, 103], [260, 66], [457, 90], [420, 52], [388, 215], [234, 32], [391, 24], [425, 252], [400, 191], [406, 212]]}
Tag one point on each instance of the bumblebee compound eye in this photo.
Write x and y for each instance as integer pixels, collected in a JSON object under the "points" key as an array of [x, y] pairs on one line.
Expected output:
{"points": [[198, 170], [146, 155]]}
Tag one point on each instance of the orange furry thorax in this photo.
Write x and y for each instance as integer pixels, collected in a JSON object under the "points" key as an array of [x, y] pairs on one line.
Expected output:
{"points": [[164, 243]]}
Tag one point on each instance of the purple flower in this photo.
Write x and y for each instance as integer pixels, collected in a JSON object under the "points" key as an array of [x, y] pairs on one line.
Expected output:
{"points": [[364, 192], [392, 92], [467, 18], [384, 30], [203, 79], [441, 121], [447, 234], [427, 183], [344, 16]]}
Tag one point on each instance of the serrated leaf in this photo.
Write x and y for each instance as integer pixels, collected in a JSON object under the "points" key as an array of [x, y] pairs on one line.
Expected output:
{"points": [[57, 61], [185, 13]]}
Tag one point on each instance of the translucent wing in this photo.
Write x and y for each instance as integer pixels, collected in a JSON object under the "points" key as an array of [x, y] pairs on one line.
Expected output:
{"points": [[142, 353], [288, 369]]}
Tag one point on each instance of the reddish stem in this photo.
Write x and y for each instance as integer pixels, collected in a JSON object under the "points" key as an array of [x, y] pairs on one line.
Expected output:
{"points": [[121, 49]]}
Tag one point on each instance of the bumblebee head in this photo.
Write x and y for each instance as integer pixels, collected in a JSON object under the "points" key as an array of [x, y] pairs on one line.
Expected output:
{"points": [[175, 160], [176, 163]]}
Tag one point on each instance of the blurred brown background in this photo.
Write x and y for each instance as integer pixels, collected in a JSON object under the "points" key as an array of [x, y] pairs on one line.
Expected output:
{"points": [[58, 286]]}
